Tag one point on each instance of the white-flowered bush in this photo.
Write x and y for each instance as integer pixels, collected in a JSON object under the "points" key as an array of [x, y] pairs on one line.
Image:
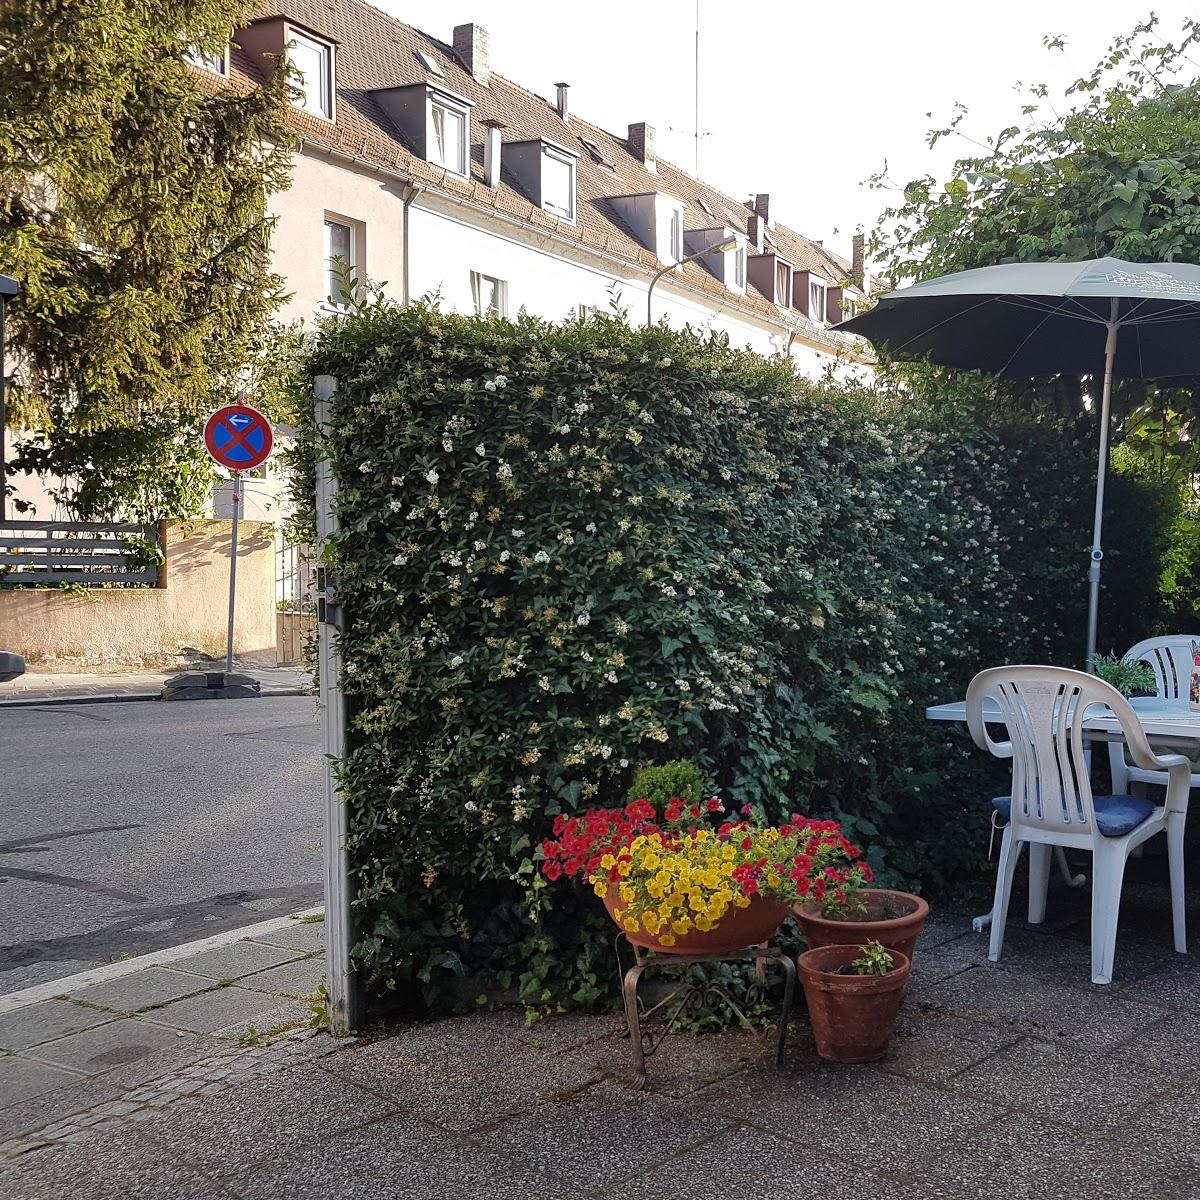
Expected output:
{"points": [[569, 551]]}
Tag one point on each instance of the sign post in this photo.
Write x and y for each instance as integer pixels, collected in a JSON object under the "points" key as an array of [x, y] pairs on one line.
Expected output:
{"points": [[239, 438]]}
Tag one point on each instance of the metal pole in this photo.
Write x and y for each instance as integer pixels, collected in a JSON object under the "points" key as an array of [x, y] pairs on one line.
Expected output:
{"points": [[237, 497], [1096, 554], [341, 985], [3, 417]]}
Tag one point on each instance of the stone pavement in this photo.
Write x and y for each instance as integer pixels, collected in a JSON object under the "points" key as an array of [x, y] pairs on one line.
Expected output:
{"points": [[1019, 1080], [65, 687]]}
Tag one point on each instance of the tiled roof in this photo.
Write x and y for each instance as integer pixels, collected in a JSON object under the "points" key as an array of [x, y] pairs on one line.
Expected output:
{"points": [[376, 50]]}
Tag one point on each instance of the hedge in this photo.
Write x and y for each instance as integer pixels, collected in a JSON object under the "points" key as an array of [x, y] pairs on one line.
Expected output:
{"points": [[570, 551]]}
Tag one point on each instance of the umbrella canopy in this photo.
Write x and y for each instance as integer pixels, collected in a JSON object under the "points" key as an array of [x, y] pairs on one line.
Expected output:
{"points": [[1020, 320]]}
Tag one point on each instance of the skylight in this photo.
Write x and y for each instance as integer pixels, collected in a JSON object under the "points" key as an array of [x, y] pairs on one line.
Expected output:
{"points": [[597, 154], [707, 209], [430, 64]]}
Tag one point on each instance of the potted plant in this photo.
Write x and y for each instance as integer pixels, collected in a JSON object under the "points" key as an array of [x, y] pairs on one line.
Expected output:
{"points": [[840, 910], [853, 995], [689, 880], [1129, 678]]}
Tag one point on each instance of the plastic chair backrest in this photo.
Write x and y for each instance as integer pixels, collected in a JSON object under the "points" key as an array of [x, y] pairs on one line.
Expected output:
{"points": [[1043, 709], [1170, 657]]}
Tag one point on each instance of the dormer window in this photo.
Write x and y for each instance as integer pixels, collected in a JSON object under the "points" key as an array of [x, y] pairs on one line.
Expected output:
{"points": [[558, 183], [739, 268], [783, 283], [203, 58], [449, 142], [675, 236], [312, 74], [816, 299]]}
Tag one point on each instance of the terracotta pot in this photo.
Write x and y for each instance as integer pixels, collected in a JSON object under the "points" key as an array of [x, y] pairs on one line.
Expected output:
{"points": [[896, 933], [853, 1016], [737, 929]]}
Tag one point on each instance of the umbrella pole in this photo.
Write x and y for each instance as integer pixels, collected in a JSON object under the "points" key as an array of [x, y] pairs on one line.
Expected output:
{"points": [[1097, 554]]}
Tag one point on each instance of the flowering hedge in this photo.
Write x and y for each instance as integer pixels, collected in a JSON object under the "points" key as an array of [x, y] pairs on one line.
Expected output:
{"points": [[569, 551]]}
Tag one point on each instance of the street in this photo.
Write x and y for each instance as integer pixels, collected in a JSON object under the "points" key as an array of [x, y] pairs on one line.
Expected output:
{"points": [[125, 828]]}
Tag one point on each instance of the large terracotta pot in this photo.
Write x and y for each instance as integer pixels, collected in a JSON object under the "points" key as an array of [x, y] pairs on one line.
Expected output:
{"points": [[853, 1016], [737, 929], [896, 933]]}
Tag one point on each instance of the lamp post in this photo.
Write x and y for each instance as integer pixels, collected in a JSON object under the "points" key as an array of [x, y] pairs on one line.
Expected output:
{"points": [[8, 289], [728, 244]]}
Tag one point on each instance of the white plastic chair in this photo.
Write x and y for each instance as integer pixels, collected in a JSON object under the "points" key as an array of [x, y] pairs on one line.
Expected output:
{"points": [[1170, 657], [1052, 804]]}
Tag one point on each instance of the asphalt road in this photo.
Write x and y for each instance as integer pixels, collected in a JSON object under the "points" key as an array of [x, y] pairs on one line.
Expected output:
{"points": [[125, 828]]}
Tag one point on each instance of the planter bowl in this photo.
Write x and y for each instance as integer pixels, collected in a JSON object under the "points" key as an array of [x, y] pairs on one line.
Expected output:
{"points": [[737, 929], [898, 934], [853, 1016]]}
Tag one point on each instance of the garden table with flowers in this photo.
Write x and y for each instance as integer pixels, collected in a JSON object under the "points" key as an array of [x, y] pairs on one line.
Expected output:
{"points": [[694, 885]]}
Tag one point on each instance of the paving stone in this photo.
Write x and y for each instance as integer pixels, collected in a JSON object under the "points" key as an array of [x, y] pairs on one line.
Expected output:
{"points": [[36, 1023], [146, 989], [943, 962], [299, 978], [236, 959], [936, 1046], [297, 935], [1066, 960], [222, 1009], [70, 1095], [401, 1158], [1172, 1046], [1063, 1084], [1173, 984], [1041, 1008], [107, 1047], [1169, 1129], [22, 1078]]}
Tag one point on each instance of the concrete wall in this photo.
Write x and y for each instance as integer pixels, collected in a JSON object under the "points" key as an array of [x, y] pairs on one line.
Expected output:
{"points": [[159, 627]]}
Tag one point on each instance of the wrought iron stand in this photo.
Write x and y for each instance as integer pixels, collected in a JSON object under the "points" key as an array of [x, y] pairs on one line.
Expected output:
{"points": [[689, 997]]}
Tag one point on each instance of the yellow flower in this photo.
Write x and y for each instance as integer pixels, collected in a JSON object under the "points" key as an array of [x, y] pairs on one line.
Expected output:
{"points": [[627, 893], [654, 888], [630, 924], [703, 923], [608, 862], [741, 901], [651, 921], [650, 860], [600, 888], [623, 867], [681, 925], [667, 939]]}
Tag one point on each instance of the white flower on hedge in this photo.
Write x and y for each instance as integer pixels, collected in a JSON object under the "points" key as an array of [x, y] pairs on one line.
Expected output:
{"points": [[624, 762], [611, 677], [431, 477], [665, 361], [541, 557], [396, 506], [505, 556], [481, 450], [480, 545], [447, 445], [683, 685], [590, 527], [489, 385], [606, 752], [543, 683], [564, 428], [583, 618], [502, 381], [455, 662], [400, 560], [504, 471], [518, 533], [582, 407]]}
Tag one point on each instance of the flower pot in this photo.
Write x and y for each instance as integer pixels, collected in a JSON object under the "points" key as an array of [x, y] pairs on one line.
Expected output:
{"points": [[853, 1016], [896, 933], [737, 929]]}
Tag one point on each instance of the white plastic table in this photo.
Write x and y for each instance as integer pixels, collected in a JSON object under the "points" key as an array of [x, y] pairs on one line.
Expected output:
{"points": [[1166, 721]]}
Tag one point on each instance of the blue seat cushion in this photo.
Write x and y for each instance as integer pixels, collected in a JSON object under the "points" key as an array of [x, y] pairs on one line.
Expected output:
{"points": [[1115, 815]]}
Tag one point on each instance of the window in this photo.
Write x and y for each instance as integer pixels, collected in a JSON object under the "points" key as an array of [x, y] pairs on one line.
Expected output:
{"points": [[312, 65], [849, 308], [675, 235], [430, 64], [783, 283], [449, 146], [587, 311], [340, 264], [558, 184], [201, 58], [490, 295], [816, 300], [705, 205], [739, 267]]}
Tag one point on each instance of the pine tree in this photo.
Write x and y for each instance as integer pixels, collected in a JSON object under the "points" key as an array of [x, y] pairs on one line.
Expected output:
{"points": [[133, 193]]}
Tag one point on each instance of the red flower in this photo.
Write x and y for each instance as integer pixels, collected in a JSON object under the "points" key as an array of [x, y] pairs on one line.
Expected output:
{"points": [[750, 887], [551, 870], [713, 804], [551, 849], [746, 809]]}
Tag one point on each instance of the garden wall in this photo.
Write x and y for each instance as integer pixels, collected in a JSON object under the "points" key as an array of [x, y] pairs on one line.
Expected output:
{"points": [[569, 551]]}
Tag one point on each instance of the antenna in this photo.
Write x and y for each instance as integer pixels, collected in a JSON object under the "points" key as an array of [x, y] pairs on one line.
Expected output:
{"points": [[696, 121]]}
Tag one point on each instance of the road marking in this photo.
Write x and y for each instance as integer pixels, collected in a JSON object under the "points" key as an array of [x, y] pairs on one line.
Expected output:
{"points": [[157, 958]]}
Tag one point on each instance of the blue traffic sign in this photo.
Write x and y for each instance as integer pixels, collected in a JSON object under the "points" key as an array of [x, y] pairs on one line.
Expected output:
{"points": [[238, 437]]}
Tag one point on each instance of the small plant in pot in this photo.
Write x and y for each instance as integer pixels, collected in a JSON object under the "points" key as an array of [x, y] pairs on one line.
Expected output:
{"points": [[1129, 678], [841, 910], [853, 995]]}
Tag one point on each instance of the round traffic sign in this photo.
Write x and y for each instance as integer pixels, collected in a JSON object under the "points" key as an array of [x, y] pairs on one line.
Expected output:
{"points": [[238, 437]]}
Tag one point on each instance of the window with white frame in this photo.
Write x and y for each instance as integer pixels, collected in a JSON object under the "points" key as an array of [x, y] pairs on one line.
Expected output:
{"points": [[558, 183], [490, 295], [448, 146], [312, 74], [739, 267], [341, 263], [202, 58], [783, 283], [849, 307], [816, 300], [587, 311], [675, 235]]}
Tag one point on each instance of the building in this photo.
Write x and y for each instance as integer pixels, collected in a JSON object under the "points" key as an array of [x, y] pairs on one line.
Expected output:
{"points": [[423, 169]]}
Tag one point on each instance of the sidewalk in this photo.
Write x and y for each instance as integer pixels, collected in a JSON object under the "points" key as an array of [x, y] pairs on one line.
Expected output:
{"points": [[1018, 1079], [65, 688]]}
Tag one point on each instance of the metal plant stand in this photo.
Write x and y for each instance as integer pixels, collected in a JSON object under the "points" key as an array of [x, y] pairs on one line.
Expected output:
{"points": [[693, 999]]}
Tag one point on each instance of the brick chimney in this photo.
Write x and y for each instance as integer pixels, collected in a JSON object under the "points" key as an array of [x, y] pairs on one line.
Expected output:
{"points": [[471, 48], [754, 232], [858, 263], [641, 144], [762, 206]]}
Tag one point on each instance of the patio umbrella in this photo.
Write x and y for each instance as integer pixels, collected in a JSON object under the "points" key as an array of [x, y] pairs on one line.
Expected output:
{"points": [[1019, 320]]}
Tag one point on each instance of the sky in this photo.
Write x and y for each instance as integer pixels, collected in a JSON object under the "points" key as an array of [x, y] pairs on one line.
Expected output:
{"points": [[803, 101]]}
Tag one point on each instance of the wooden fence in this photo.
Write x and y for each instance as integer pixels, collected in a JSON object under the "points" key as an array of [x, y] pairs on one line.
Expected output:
{"points": [[91, 553]]}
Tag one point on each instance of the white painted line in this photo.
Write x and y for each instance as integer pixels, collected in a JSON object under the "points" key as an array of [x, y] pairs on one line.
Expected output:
{"points": [[157, 958]]}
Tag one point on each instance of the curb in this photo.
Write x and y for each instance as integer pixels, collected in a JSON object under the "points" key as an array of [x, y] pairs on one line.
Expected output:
{"points": [[54, 988], [130, 697]]}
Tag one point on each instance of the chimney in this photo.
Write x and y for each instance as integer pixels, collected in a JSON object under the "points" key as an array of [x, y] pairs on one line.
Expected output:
{"points": [[491, 153], [754, 232], [641, 144], [858, 263], [563, 89], [762, 206], [471, 47]]}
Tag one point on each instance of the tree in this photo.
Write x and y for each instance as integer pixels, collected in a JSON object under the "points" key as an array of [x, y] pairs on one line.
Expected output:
{"points": [[133, 191], [1113, 169]]}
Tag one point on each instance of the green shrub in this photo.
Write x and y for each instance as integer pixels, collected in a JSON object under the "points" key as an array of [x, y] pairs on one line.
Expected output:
{"points": [[674, 780], [568, 552]]}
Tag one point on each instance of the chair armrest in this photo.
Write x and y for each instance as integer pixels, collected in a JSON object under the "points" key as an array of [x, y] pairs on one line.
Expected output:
{"points": [[1179, 781]]}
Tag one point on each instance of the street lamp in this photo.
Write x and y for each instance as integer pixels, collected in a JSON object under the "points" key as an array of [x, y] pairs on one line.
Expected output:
{"points": [[728, 244]]}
